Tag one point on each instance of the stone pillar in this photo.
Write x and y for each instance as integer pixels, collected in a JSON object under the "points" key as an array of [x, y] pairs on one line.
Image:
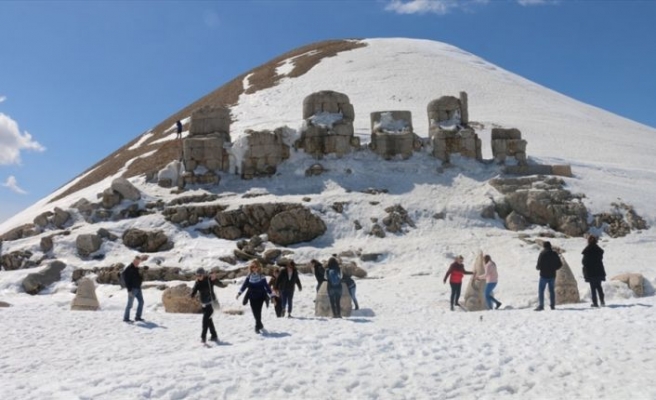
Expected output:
{"points": [[322, 303], [475, 293], [266, 150], [464, 108], [508, 142], [567, 290], [85, 296]]}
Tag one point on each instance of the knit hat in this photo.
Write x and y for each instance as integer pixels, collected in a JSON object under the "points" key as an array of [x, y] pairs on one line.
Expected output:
{"points": [[547, 245], [200, 271]]}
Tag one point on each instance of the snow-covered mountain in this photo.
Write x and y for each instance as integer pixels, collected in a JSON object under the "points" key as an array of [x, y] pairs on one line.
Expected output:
{"points": [[405, 323]]}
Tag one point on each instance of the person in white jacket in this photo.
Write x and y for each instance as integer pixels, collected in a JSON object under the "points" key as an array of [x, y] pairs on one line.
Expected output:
{"points": [[491, 278]]}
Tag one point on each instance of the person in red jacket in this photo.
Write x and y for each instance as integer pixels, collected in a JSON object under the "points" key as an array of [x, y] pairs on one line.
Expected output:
{"points": [[456, 271]]}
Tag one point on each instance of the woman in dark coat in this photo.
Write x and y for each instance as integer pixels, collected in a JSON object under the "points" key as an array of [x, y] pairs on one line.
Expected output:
{"points": [[259, 291], [205, 286], [285, 284], [593, 270]]}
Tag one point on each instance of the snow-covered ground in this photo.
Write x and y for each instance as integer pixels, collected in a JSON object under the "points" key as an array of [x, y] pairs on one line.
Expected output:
{"points": [[404, 343]]}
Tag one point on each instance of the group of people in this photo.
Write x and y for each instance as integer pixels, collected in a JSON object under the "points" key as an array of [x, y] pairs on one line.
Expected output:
{"points": [[548, 264]]}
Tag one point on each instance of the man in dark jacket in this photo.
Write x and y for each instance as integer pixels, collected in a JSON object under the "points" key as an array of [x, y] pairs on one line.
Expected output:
{"points": [[133, 281], [548, 263], [285, 285], [593, 270]]}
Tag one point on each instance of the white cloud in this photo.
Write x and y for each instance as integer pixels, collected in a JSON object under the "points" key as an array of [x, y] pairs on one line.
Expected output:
{"points": [[3, 98], [442, 7], [12, 184], [12, 142]]}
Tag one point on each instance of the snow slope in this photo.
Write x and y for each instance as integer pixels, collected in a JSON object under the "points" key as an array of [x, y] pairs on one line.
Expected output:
{"points": [[404, 343]]}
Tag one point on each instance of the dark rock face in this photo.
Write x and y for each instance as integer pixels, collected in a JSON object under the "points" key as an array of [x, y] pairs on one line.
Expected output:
{"points": [[147, 242]]}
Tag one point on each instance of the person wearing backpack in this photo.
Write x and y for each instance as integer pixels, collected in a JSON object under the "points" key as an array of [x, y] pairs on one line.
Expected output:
{"points": [[259, 291], [285, 284], [334, 280], [205, 287], [133, 279], [350, 284]]}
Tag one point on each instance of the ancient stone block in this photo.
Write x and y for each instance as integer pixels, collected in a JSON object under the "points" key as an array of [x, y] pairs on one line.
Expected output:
{"points": [[208, 120], [567, 290], [475, 292], [85, 296], [322, 302]]}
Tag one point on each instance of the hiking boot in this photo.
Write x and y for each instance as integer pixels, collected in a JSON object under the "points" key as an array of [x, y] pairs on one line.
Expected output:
{"points": [[202, 340], [452, 308], [553, 307], [215, 339], [498, 305], [140, 319], [594, 305], [603, 303], [539, 308], [129, 321]]}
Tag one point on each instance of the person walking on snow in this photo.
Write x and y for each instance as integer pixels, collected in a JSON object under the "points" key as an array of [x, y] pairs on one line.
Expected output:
{"points": [[133, 280], [456, 272], [205, 287], [491, 278], [548, 263], [350, 284], [277, 303], [593, 270], [285, 285], [259, 291]]}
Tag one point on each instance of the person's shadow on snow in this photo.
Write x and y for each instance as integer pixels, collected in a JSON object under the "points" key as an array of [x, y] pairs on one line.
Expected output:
{"points": [[149, 325], [628, 305], [270, 334]]}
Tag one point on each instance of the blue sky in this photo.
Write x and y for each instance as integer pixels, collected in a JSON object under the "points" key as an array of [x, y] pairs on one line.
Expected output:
{"points": [[80, 79]]}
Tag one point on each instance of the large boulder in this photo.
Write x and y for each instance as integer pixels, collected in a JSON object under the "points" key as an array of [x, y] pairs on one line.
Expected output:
{"points": [[87, 243], [34, 283], [126, 189], [4, 305], [178, 299], [147, 242], [85, 296], [636, 282], [15, 260], [296, 226], [60, 218]]}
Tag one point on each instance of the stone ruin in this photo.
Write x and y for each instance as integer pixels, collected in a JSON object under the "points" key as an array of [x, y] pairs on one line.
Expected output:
{"points": [[328, 126], [508, 142], [265, 151], [449, 131], [475, 292], [392, 135], [204, 147]]}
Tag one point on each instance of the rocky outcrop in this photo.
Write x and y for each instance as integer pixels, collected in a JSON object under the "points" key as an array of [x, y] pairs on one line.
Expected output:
{"points": [[23, 231], [620, 221], [35, 282], [285, 223], [541, 201], [126, 189], [295, 226], [146, 242], [85, 297], [178, 300], [191, 215], [397, 218], [19, 259]]}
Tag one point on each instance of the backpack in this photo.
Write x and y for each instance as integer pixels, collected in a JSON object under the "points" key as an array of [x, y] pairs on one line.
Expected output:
{"points": [[334, 279]]}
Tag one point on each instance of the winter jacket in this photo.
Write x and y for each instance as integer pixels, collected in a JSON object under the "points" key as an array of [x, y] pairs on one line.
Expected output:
{"points": [[456, 271], [593, 264], [350, 283], [132, 278], [491, 275], [257, 286], [205, 287], [285, 283], [319, 273], [548, 263]]}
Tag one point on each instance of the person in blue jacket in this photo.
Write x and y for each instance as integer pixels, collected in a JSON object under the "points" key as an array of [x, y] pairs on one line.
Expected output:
{"points": [[259, 291]]}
